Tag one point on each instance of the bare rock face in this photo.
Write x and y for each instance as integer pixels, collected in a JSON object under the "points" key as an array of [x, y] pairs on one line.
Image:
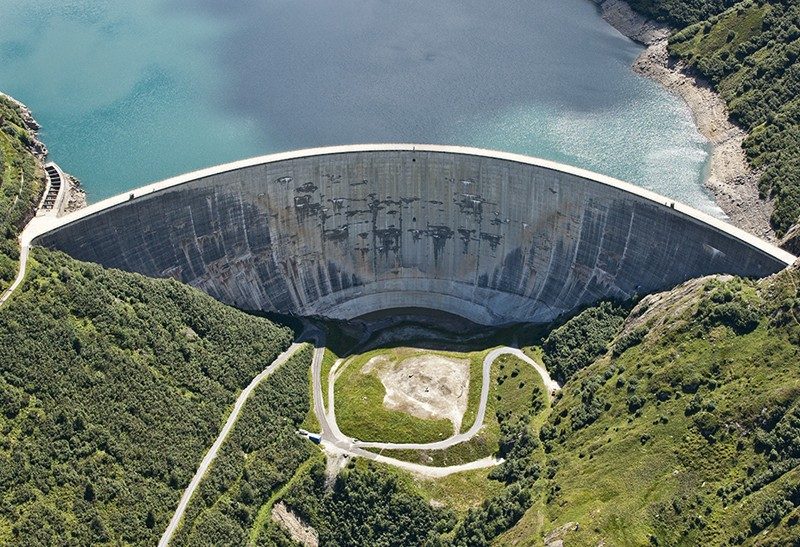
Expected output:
{"points": [[300, 531], [633, 25], [556, 537], [791, 242], [76, 197]]}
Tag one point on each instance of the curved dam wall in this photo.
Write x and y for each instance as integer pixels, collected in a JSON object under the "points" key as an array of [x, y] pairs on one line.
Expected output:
{"points": [[340, 232]]}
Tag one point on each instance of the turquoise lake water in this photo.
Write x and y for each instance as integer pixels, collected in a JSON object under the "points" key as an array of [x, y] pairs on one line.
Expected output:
{"points": [[132, 92]]}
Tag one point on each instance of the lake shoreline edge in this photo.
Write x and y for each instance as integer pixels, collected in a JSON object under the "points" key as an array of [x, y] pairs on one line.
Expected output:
{"points": [[730, 178], [76, 197]]}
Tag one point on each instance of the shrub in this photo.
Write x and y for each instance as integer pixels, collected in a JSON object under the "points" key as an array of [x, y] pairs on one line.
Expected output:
{"points": [[579, 341], [707, 424]]}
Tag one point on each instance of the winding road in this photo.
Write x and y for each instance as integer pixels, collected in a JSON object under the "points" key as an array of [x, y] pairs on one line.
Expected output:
{"points": [[335, 441], [550, 385], [24, 250]]}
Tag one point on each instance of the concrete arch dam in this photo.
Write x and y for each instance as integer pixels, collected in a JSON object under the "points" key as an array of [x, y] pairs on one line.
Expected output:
{"points": [[340, 232]]}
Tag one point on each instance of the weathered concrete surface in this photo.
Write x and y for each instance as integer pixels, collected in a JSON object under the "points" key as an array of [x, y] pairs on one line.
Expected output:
{"points": [[344, 231]]}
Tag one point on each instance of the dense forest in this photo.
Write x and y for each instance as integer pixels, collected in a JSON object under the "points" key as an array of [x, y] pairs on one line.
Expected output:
{"points": [[21, 184], [581, 339], [748, 51], [261, 454], [369, 505], [112, 388]]}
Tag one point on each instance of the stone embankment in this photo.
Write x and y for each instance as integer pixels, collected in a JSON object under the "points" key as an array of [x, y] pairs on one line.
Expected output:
{"points": [[76, 195], [731, 179]]}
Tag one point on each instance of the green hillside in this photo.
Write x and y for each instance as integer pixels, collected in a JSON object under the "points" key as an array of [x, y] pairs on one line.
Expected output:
{"points": [[748, 51], [680, 13], [261, 454], [684, 429], [678, 422], [112, 388], [21, 185], [688, 430]]}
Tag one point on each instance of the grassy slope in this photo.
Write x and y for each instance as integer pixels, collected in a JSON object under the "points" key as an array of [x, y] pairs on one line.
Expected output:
{"points": [[688, 466], [310, 422], [686, 432], [112, 388], [459, 492], [514, 385], [21, 185], [360, 412]]}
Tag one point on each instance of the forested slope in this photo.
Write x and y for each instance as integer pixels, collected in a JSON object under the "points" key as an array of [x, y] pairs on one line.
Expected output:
{"points": [[748, 51], [112, 387], [260, 454]]}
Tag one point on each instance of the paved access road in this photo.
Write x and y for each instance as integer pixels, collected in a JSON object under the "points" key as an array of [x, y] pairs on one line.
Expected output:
{"points": [[335, 442], [333, 439], [551, 386]]}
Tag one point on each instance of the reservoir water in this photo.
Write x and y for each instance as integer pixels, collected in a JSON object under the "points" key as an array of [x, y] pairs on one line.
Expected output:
{"points": [[132, 92]]}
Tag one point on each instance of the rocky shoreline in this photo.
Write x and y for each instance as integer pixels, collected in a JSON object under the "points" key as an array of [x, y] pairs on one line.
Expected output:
{"points": [[732, 181], [76, 195]]}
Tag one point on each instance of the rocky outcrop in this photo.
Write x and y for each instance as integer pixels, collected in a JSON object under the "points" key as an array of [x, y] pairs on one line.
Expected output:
{"points": [[36, 146], [556, 537], [633, 25], [76, 195], [791, 241]]}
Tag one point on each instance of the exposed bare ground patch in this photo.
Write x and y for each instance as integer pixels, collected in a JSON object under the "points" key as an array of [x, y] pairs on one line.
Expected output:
{"points": [[301, 532], [335, 461], [426, 386]]}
